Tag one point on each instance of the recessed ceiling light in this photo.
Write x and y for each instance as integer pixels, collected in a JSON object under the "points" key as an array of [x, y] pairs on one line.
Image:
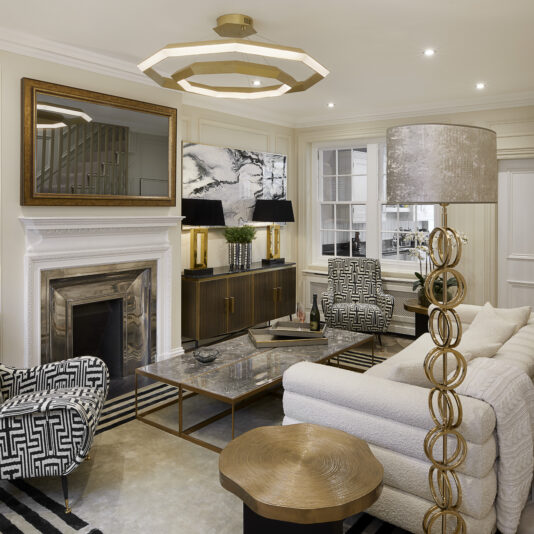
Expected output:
{"points": [[256, 83], [330, 105], [429, 52], [480, 86]]}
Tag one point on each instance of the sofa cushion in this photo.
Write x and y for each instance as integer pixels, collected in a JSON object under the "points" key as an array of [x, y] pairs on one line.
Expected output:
{"points": [[518, 316], [487, 330]]}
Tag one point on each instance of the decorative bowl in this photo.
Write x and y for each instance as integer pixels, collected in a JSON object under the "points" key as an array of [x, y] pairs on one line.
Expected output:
{"points": [[205, 355]]}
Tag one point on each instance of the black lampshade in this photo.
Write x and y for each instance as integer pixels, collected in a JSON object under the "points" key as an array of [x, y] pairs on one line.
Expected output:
{"points": [[200, 212], [273, 211]]}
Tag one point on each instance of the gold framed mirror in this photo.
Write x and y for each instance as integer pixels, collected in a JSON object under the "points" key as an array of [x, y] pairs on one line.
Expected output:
{"points": [[83, 148]]}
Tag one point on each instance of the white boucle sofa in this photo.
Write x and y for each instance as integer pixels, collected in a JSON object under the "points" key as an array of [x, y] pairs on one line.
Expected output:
{"points": [[393, 418]]}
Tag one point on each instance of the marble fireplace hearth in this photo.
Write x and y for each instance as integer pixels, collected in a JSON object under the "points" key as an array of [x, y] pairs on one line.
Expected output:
{"points": [[114, 274]]}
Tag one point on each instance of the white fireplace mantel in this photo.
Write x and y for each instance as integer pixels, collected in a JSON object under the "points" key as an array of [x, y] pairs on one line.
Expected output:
{"points": [[61, 242]]}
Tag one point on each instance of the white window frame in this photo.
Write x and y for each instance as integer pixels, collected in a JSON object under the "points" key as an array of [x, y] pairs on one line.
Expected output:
{"points": [[373, 204]]}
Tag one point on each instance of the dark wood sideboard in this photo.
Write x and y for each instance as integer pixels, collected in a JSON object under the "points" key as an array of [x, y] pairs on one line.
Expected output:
{"points": [[228, 301]]}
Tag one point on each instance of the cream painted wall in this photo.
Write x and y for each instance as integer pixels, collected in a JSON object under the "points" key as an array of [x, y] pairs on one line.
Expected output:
{"points": [[515, 139], [211, 128], [14, 67]]}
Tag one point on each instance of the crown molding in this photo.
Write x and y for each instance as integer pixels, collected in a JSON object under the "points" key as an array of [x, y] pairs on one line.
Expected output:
{"points": [[30, 45], [437, 108]]}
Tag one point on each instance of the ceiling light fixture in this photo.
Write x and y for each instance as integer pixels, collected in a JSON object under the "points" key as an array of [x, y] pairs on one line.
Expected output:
{"points": [[429, 52], [234, 26], [256, 83], [480, 86], [330, 105]]}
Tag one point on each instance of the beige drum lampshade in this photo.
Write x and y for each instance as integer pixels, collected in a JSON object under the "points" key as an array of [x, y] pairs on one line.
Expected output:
{"points": [[441, 163]]}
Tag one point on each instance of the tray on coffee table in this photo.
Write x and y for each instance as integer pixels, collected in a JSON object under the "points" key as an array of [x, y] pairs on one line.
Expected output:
{"points": [[261, 338], [293, 329]]}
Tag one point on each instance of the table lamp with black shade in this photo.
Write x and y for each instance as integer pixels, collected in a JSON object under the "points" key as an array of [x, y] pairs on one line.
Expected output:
{"points": [[200, 214], [273, 212]]}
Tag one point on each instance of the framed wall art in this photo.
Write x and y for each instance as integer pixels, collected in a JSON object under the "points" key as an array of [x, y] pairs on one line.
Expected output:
{"points": [[237, 177]]}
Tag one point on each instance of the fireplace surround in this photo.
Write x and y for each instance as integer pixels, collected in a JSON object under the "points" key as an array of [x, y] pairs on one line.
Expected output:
{"points": [[120, 327], [86, 244]]}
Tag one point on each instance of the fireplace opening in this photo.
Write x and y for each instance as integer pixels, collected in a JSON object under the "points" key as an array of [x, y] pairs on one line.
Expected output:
{"points": [[97, 330]]}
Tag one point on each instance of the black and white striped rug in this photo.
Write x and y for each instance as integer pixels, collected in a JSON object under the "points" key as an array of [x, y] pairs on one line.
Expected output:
{"points": [[25, 509]]}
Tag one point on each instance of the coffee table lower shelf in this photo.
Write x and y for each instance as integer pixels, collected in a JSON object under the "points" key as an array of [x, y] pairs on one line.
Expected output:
{"points": [[185, 433]]}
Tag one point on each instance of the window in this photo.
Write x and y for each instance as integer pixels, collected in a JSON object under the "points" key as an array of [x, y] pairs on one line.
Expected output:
{"points": [[343, 199], [398, 225], [353, 218]]}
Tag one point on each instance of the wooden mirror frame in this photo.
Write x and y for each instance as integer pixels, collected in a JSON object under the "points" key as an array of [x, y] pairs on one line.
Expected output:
{"points": [[29, 196]]}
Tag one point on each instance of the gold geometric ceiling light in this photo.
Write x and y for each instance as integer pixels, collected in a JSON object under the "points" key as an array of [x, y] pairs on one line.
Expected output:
{"points": [[235, 26]]}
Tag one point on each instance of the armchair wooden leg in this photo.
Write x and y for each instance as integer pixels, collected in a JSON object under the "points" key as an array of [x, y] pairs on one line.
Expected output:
{"points": [[65, 486]]}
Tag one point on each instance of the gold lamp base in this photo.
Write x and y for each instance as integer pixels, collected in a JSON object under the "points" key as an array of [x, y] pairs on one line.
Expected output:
{"points": [[273, 246], [199, 262]]}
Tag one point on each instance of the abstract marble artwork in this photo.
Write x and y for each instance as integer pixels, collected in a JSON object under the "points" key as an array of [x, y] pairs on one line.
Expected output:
{"points": [[237, 177]]}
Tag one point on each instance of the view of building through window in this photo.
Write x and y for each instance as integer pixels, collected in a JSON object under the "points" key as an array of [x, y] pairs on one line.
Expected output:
{"points": [[346, 226]]}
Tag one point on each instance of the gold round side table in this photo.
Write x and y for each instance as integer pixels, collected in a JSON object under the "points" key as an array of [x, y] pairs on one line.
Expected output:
{"points": [[300, 478]]}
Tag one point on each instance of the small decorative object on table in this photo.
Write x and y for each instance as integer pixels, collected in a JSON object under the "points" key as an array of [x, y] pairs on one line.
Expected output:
{"points": [[239, 240], [315, 316], [205, 355]]}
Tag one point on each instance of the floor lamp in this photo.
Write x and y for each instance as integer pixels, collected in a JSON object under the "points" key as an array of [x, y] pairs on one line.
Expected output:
{"points": [[443, 164]]}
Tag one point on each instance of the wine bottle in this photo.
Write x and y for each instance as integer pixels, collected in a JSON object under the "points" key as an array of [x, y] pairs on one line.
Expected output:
{"points": [[315, 316]]}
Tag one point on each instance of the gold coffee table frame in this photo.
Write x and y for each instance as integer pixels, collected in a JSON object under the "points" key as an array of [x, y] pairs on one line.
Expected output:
{"points": [[186, 391]]}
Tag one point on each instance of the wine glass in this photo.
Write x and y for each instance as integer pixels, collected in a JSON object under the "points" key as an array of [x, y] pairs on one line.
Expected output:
{"points": [[301, 314]]}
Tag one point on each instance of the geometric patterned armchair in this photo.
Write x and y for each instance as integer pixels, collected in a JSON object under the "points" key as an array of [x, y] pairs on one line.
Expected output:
{"points": [[48, 417], [354, 299]]}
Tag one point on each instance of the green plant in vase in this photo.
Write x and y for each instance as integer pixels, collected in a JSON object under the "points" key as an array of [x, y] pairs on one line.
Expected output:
{"points": [[239, 240]]}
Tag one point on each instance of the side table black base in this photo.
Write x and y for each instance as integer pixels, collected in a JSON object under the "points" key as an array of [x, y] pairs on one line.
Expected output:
{"points": [[421, 324], [254, 523]]}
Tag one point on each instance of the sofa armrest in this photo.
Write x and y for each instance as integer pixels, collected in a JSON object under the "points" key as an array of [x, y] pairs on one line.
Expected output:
{"points": [[382, 398], [386, 302]]}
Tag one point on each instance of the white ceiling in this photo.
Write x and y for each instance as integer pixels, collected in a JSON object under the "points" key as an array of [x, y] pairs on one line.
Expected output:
{"points": [[373, 48]]}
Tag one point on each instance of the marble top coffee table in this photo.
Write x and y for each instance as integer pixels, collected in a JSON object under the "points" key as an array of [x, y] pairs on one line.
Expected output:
{"points": [[240, 373]]}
